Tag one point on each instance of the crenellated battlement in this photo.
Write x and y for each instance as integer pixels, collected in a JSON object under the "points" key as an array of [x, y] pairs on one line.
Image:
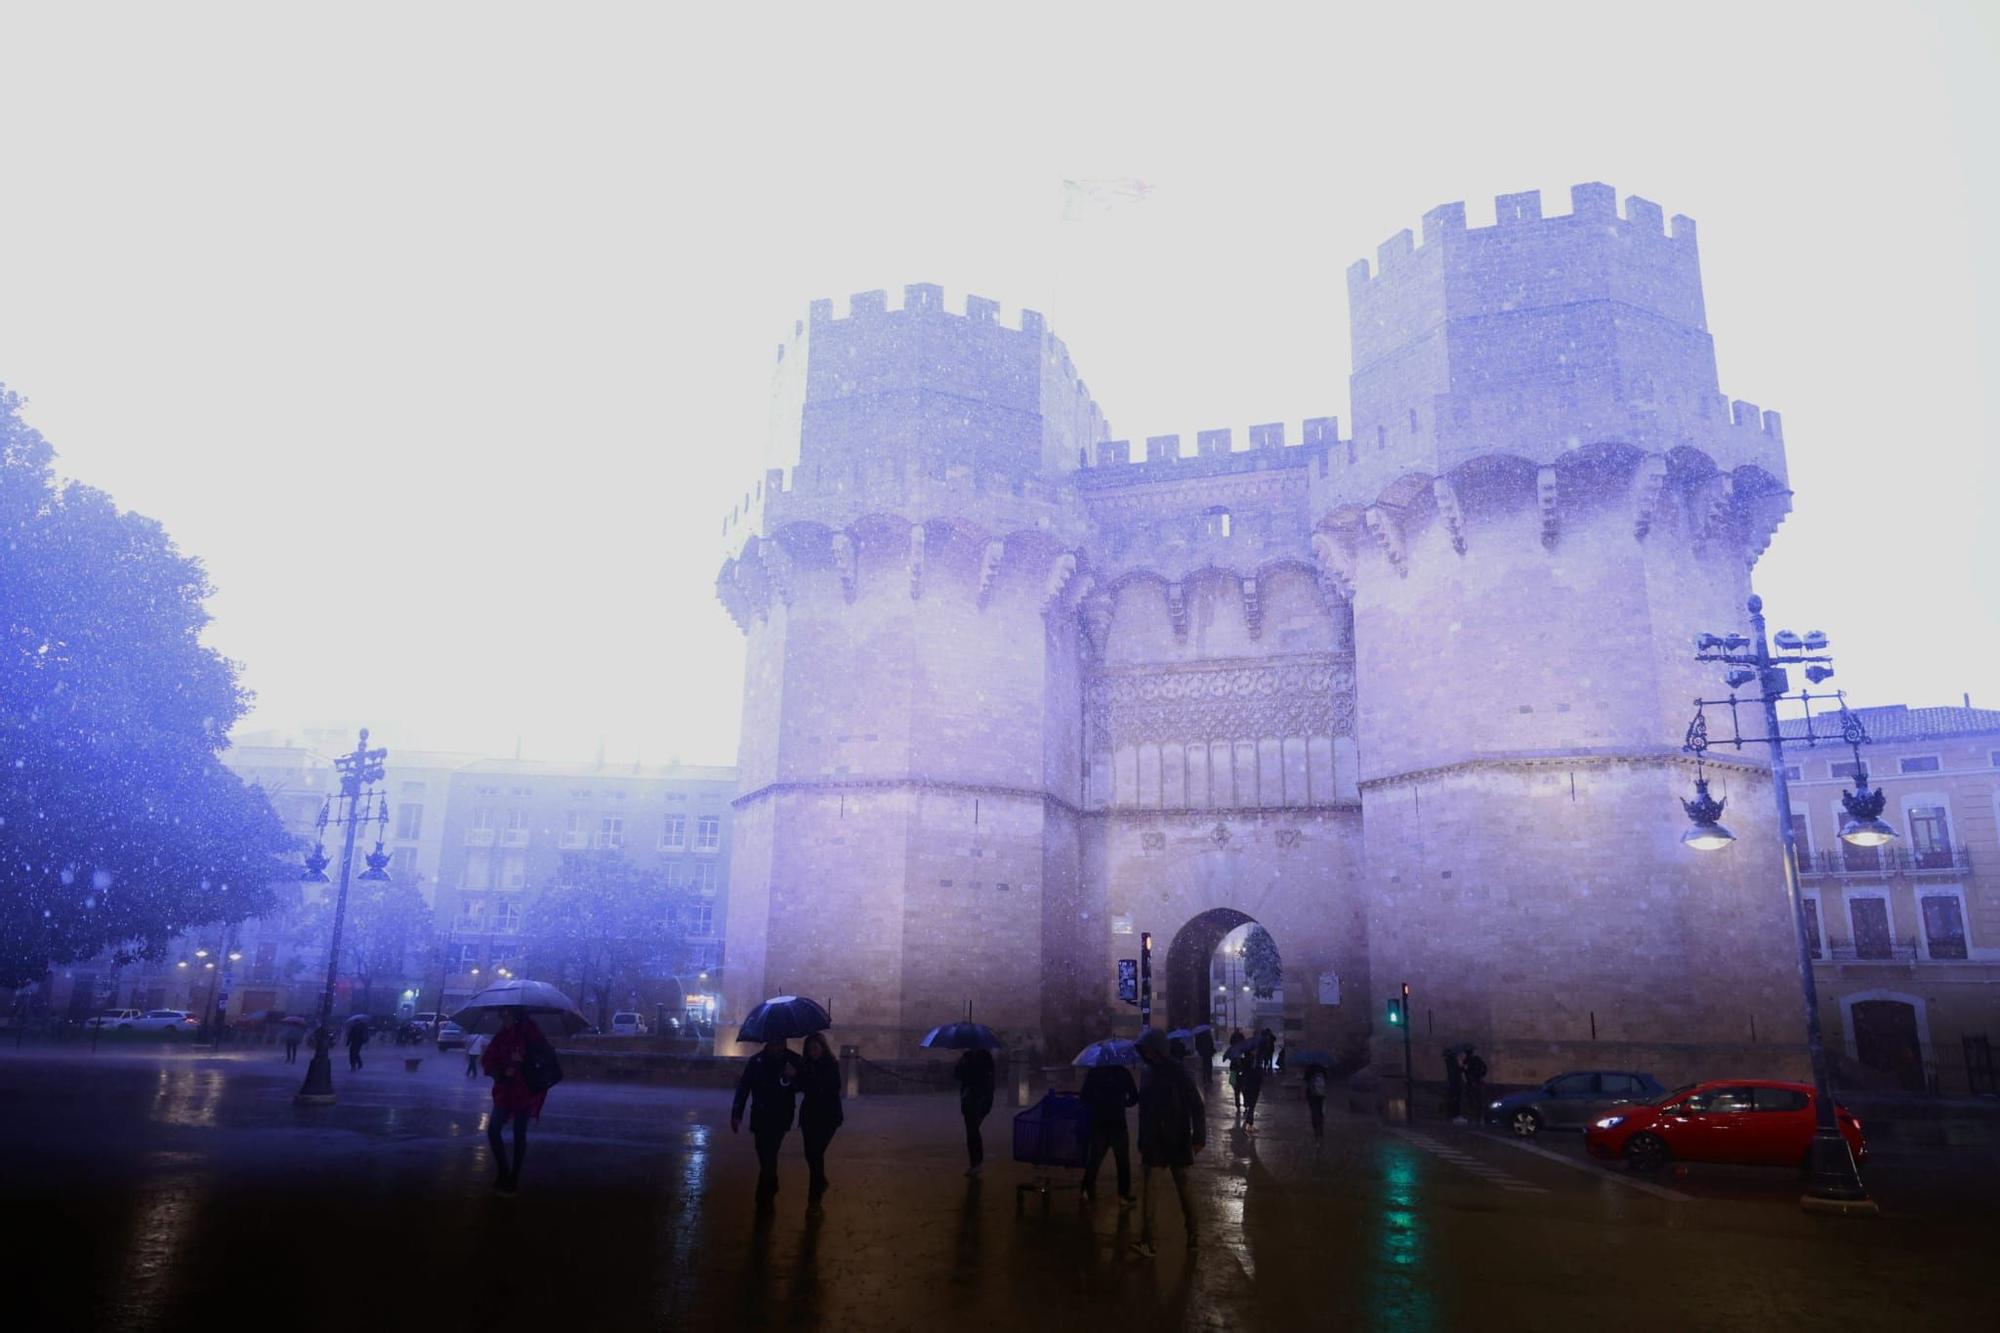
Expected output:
{"points": [[1591, 204], [1263, 445]]}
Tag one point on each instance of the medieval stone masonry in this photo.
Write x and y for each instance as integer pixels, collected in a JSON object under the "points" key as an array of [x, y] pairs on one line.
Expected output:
{"points": [[1409, 696]]}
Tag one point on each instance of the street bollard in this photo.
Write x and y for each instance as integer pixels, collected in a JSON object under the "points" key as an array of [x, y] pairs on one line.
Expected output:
{"points": [[850, 1071]]}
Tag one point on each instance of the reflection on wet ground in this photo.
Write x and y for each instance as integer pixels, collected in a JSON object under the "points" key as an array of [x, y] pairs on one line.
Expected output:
{"points": [[166, 1188]]}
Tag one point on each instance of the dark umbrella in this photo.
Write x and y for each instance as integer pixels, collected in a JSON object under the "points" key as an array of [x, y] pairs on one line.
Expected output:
{"points": [[1110, 1051], [784, 1016], [961, 1036], [1237, 1048], [544, 1003], [1182, 1034], [292, 1021], [1303, 1059], [1200, 1028]]}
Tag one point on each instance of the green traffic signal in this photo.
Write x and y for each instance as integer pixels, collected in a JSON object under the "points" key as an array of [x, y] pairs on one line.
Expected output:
{"points": [[1395, 1013]]}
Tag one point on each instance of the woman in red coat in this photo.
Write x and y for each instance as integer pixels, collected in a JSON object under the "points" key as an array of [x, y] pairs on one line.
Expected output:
{"points": [[504, 1060]]}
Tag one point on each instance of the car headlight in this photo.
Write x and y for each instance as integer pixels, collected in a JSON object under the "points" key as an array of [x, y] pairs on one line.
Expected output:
{"points": [[1608, 1122], [1493, 1106]]}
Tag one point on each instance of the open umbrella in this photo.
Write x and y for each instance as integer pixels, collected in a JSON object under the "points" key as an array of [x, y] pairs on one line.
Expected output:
{"points": [[1237, 1048], [784, 1016], [1182, 1034], [292, 1021], [1200, 1028], [545, 1004], [961, 1036], [1306, 1059], [1110, 1051]]}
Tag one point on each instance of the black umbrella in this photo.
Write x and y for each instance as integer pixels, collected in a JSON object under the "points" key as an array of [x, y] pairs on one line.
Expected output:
{"points": [[961, 1036], [784, 1016]]}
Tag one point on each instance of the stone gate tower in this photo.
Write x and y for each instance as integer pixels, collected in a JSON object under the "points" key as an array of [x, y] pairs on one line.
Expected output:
{"points": [[1408, 697]]}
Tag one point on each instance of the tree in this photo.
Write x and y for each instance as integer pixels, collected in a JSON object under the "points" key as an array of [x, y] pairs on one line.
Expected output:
{"points": [[1261, 963], [387, 921], [120, 827], [611, 926]]}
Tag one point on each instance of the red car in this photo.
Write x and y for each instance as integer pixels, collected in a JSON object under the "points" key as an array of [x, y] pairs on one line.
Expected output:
{"points": [[1742, 1121]]}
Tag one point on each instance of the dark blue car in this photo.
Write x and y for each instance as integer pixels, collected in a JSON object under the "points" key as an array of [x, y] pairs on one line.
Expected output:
{"points": [[1570, 1101]]}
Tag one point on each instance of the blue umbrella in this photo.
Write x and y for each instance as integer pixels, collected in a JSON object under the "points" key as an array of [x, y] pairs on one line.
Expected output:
{"points": [[1182, 1034], [1200, 1028], [1306, 1059], [784, 1016], [961, 1036], [1110, 1051]]}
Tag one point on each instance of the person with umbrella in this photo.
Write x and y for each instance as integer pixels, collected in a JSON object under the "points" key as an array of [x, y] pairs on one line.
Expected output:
{"points": [[820, 1113], [1250, 1082], [975, 1074], [1315, 1064], [294, 1029], [1172, 1128], [510, 1060], [1107, 1090], [771, 1079]]}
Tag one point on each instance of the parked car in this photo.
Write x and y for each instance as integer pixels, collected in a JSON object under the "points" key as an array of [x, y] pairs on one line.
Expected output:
{"points": [[120, 1019], [450, 1036], [628, 1025], [1745, 1122], [1570, 1101], [173, 1022]]}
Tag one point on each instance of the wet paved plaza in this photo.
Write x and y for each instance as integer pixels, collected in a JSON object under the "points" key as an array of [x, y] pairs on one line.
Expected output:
{"points": [[177, 1190]]}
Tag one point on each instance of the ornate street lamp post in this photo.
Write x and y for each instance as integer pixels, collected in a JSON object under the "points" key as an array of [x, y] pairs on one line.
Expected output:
{"points": [[360, 770], [1834, 1182]]}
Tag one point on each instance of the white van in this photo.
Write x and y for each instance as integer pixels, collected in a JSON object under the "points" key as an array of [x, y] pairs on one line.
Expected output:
{"points": [[628, 1025]]}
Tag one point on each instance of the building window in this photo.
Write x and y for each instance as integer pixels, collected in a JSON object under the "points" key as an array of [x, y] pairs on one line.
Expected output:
{"points": [[570, 870], [1930, 837], [1215, 522], [675, 835], [516, 832], [1919, 763], [413, 789], [703, 879], [468, 958], [1802, 841], [514, 870], [580, 794], [1813, 942], [576, 829], [521, 793], [486, 791], [676, 876], [409, 822], [1845, 770], [1793, 773], [1870, 919], [707, 833], [471, 912], [701, 919], [507, 918], [482, 818], [1944, 925], [477, 872], [611, 832]]}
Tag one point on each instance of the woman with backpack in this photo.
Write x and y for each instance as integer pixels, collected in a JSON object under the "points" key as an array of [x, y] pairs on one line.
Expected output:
{"points": [[523, 1068]]}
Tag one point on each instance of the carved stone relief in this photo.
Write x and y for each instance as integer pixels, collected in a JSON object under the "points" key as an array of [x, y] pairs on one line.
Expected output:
{"points": [[1303, 696]]}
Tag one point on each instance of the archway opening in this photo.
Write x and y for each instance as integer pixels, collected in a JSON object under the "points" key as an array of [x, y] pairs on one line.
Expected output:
{"points": [[1223, 968]]}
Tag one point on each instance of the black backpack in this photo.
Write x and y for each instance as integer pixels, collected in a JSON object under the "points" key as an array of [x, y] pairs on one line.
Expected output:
{"points": [[541, 1070]]}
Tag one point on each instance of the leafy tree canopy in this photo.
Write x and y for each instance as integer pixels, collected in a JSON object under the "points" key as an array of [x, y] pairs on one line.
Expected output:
{"points": [[1260, 961], [610, 926], [388, 929], [119, 825]]}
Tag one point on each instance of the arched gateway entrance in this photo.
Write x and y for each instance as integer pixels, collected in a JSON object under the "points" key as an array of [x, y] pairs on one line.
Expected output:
{"points": [[1190, 988]]}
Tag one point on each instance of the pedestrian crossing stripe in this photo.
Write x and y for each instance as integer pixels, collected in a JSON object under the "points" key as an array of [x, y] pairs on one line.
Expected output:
{"points": [[1492, 1175]]}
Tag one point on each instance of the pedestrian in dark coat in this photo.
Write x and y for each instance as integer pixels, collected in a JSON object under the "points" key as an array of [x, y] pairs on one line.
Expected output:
{"points": [[357, 1037], [1250, 1085], [1454, 1084], [1173, 1127], [770, 1083], [505, 1061], [974, 1072], [1204, 1047], [820, 1112], [1267, 1047], [1237, 1053], [292, 1035], [1475, 1081], [1107, 1091], [1316, 1100]]}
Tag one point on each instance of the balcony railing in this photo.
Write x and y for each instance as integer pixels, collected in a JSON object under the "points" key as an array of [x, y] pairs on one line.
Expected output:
{"points": [[1876, 951], [479, 837], [514, 837], [573, 841], [1881, 862]]}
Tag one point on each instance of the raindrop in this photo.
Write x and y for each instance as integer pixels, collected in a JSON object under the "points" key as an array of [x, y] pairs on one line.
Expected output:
{"points": [[100, 880]]}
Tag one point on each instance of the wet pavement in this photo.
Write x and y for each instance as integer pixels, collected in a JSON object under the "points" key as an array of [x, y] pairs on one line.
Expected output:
{"points": [[175, 1190]]}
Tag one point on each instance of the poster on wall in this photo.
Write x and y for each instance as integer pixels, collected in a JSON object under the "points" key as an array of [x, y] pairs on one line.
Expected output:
{"points": [[1121, 925], [1329, 988]]}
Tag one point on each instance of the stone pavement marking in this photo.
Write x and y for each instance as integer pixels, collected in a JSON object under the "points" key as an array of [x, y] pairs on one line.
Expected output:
{"points": [[1492, 1175], [1644, 1187]]}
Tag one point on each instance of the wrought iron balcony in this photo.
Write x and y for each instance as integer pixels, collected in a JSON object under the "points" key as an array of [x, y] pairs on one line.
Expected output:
{"points": [[1875, 951], [1883, 862]]}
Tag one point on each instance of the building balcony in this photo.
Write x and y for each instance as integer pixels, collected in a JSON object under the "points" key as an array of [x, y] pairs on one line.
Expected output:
{"points": [[1886, 862], [574, 841], [514, 837], [1904, 951], [479, 837]]}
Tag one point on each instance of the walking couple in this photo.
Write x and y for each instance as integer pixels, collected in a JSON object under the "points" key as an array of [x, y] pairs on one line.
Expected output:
{"points": [[774, 1080]]}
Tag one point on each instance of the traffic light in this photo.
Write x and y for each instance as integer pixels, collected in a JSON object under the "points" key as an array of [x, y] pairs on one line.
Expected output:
{"points": [[1395, 1012]]}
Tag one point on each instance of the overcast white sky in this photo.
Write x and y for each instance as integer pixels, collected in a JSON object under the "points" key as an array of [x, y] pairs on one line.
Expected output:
{"points": [[442, 333]]}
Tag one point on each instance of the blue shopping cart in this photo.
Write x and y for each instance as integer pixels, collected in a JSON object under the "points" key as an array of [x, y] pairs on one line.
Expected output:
{"points": [[1052, 1136]]}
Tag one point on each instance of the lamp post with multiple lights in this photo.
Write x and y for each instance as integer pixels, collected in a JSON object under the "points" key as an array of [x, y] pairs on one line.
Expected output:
{"points": [[1833, 1181], [359, 770]]}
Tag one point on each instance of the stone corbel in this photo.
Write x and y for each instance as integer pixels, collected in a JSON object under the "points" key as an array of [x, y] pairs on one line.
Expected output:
{"points": [[989, 569], [1084, 584], [917, 540], [730, 593], [1545, 497], [1061, 571], [1715, 502], [1253, 607], [1648, 485], [1097, 615], [1177, 609], [777, 566], [844, 562], [757, 598], [1336, 569], [1388, 535], [1451, 512]]}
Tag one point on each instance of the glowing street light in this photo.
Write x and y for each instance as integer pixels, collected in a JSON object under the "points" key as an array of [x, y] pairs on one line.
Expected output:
{"points": [[359, 770]]}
